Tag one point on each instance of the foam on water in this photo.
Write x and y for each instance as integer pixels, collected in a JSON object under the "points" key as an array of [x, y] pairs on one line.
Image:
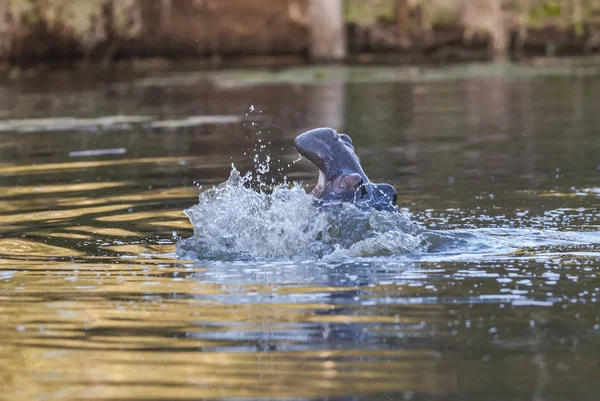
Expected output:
{"points": [[233, 221], [500, 243]]}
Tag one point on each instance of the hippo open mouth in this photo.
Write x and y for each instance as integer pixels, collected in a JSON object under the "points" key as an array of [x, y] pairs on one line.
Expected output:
{"points": [[341, 177]]}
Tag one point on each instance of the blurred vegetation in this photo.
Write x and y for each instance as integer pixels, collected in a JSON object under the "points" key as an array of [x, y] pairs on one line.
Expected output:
{"points": [[45, 30], [505, 26], [563, 13], [105, 30]]}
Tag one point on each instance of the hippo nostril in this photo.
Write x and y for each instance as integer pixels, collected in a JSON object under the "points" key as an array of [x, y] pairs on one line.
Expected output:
{"points": [[363, 190]]}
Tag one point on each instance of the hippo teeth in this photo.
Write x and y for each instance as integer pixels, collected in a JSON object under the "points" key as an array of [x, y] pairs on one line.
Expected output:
{"points": [[320, 188]]}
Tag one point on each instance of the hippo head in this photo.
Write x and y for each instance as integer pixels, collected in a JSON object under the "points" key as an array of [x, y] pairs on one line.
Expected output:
{"points": [[341, 176]]}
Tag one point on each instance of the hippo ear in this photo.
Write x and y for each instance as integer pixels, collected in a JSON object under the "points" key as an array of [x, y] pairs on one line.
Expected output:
{"points": [[351, 181], [389, 191], [346, 138]]}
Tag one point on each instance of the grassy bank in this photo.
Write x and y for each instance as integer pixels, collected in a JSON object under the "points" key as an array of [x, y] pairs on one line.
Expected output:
{"points": [[542, 27]]}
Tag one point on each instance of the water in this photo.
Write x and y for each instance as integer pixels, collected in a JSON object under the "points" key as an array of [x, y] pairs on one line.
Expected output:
{"points": [[484, 287]]}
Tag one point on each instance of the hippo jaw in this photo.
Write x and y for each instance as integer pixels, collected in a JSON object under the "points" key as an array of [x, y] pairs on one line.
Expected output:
{"points": [[341, 177], [340, 173]]}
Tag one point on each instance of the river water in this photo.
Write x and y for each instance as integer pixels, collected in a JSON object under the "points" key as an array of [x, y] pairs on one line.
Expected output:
{"points": [[484, 287]]}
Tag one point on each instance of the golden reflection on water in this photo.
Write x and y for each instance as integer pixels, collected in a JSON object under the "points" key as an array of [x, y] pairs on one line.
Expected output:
{"points": [[139, 249], [113, 331], [115, 232], [52, 189], [150, 195], [105, 374], [61, 215], [17, 247], [69, 235], [182, 223], [80, 165], [117, 331], [139, 216], [104, 329]]}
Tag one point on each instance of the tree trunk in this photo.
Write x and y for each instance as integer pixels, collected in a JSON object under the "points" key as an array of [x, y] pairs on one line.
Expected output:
{"points": [[499, 32], [401, 11], [328, 36], [487, 17]]}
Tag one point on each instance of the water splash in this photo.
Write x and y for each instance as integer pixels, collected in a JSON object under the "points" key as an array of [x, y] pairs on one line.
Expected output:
{"points": [[233, 221], [240, 219], [251, 216]]}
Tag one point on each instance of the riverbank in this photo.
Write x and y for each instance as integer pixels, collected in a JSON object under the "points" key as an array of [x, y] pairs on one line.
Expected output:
{"points": [[252, 71], [217, 33]]}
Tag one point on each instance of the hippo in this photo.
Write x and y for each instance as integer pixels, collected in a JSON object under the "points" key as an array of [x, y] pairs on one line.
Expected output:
{"points": [[341, 177]]}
